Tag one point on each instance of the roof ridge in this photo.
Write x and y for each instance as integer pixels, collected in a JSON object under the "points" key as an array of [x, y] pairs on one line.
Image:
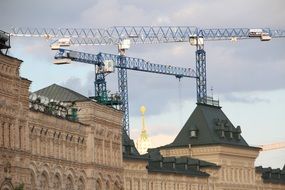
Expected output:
{"points": [[70, 90], [61, 93]]}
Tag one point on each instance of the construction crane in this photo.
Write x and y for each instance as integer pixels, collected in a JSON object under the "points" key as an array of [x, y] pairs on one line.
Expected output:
{"points": [[273, 146], [123, 36], [106, 63]]}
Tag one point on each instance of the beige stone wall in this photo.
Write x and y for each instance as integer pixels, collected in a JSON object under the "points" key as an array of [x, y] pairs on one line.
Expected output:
{"points": [[46, 152], [136, 177], [105, 134], [13, 122], [237, 170]]}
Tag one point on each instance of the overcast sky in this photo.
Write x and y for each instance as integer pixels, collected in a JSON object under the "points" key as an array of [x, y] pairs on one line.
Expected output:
{"points": [[248, 77]]}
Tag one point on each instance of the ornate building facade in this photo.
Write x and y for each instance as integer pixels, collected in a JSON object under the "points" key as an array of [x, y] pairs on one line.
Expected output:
{"points": [[89, 151]]}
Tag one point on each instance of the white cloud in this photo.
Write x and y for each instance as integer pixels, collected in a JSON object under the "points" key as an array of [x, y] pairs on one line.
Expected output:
{"points": [[113, 11], [160, 140]]}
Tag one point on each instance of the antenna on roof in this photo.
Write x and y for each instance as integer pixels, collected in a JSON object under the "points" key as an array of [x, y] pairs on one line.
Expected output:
{"points": [[212, 91]]}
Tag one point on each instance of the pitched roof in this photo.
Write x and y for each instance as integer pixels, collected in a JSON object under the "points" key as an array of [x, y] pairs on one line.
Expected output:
{"points": [[208, 122], [270, 175], [60, 93], [181, 165], [129, 149]]}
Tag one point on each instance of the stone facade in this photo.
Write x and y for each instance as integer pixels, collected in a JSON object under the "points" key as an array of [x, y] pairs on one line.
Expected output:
{"points": [[42, 151], [46, 152]]}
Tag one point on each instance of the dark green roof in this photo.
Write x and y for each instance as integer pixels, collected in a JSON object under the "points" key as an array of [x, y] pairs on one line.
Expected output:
{"points": [[129, 149], [61, 93], [176, 165], [270, 175], [208, 122]]}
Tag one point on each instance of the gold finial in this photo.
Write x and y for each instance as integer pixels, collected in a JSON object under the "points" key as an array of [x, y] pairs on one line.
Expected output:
{"points": [[142, 109]]}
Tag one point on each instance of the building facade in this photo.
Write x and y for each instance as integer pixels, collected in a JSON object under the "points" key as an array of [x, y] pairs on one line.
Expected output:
{"points": [[89, 151]]}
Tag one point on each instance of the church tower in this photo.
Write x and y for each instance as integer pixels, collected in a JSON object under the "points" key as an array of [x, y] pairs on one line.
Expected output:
{"points": [[143, 142]]}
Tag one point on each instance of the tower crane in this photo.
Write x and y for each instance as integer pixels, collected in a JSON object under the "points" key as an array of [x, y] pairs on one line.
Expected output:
{"points": [[122, 36], [106, 62]]}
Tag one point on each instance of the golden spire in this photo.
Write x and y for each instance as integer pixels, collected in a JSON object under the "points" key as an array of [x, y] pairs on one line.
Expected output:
{"points": [[143, 132], [143, 142]]}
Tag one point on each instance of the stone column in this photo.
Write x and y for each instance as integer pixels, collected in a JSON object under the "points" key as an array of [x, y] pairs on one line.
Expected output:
{"points": [[6, 134], [1, 134]]}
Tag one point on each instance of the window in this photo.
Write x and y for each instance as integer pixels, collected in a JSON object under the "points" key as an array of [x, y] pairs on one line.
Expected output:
{"points": [[193, 131], [231, 134], [56, 183], [222, 133], [193, 134]]}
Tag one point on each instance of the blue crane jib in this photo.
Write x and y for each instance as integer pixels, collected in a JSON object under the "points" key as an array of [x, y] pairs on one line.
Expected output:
{"points": [[121, 62], [63, 56]]}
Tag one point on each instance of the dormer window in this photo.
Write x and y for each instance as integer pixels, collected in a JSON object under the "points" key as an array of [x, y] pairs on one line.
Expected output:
{"points": [[231, 134], [238, 136], [198, 167], [193, 131], [132, 150], [193, 134], [220, 128], [238, 132], [222, 134]]}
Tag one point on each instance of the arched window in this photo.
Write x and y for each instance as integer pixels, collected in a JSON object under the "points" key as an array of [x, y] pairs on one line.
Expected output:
{"points": [[44, 181], [6, 185], [98, 185], [57, 182], [116, 186], [81, 185], [108, 185], [69, 183], [33, 181]]}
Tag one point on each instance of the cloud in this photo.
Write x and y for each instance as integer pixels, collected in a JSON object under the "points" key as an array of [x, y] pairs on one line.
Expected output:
{"points": [[113, 11], [248, 99], [160, 140], [85, 88], [225, 13]]}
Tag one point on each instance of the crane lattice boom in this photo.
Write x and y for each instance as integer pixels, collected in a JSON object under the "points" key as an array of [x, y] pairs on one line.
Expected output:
{"points": [[131, 63], [140, 34]]}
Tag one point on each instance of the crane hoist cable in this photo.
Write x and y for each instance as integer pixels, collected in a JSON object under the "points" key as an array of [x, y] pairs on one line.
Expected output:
{"points": [[180, 101]]}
